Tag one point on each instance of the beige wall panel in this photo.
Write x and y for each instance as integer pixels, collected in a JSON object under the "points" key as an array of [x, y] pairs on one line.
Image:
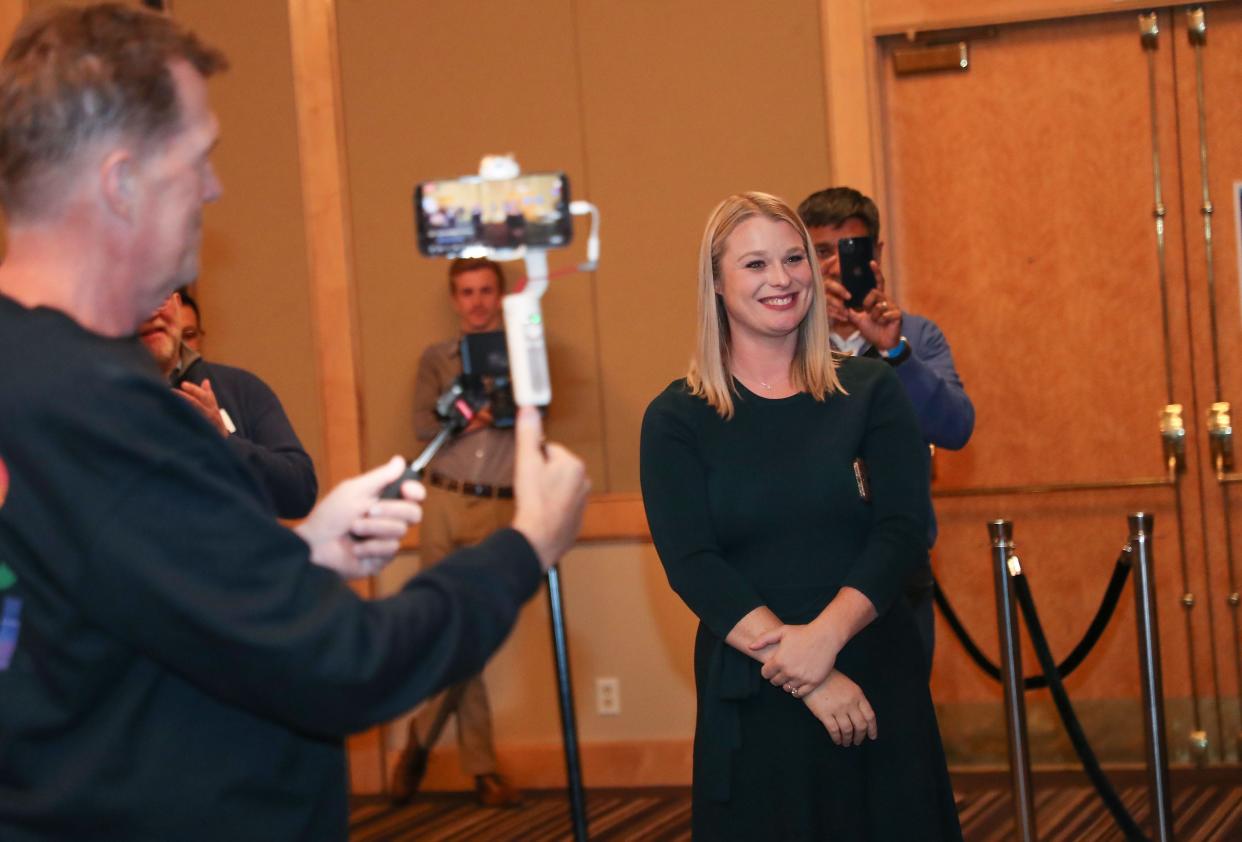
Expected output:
{"points": [[430, 88], [636, 148], [622, 621], [684, 104]]}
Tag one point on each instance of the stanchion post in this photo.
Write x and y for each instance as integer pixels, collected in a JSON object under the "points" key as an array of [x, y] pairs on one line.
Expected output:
{"points": [[1149, 665], [1001, 533]]}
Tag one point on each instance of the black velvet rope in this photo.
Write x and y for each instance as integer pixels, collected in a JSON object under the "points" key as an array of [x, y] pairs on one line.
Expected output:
{"points": [[1077, 655], [1072, 726]]}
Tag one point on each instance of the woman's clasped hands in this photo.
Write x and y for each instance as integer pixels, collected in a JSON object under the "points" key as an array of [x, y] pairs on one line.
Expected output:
{"points": [[801, 661]]}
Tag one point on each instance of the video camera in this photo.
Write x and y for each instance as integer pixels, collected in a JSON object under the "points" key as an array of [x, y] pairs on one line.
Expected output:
{"points": [[484, 379]]}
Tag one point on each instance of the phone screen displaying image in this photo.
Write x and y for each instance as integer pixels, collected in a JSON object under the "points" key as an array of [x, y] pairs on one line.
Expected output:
{"points": [[855, 255], [458, 214]]}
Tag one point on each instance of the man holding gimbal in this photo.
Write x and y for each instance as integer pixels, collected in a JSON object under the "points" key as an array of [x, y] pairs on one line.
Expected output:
{"points": [[174, 663], [469, 495]]}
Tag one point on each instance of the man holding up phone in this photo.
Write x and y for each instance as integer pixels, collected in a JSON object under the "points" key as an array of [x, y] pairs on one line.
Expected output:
{"points": [[865, 321]]}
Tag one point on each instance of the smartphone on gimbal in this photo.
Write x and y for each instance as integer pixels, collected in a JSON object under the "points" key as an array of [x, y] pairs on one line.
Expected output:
{"points": [[455, 215]]}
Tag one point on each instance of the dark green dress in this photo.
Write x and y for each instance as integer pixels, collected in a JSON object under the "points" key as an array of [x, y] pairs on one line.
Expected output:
{"points": [[767, 509]]}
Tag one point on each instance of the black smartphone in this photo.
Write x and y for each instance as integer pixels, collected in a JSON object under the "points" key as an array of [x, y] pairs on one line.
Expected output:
{"points": [[854, 254], [456, 216]]}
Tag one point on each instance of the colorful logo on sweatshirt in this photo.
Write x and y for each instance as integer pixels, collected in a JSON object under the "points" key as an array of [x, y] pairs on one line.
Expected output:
{"points": [[11, 607], [10, 625]]}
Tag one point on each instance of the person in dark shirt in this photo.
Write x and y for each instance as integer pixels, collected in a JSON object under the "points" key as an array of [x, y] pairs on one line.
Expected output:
{"points": [[786, 490], [175, 664], [192, 332], [241, 407]]}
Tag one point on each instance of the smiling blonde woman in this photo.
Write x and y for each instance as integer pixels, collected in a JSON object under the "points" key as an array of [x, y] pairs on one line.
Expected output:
{"points": [[787, 494]]}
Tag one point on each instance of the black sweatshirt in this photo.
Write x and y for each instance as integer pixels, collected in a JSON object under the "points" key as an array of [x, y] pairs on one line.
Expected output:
{"points": [[182, 671]]}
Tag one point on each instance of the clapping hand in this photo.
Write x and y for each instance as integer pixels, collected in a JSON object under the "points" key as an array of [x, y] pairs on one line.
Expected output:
{"points": [[203, 398]]}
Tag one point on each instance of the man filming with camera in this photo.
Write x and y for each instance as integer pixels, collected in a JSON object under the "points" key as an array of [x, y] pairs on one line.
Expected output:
{"points": [[469, 496]]}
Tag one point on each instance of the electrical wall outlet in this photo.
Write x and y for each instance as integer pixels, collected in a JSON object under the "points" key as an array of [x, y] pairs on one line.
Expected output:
{"points": [[608, 696]]}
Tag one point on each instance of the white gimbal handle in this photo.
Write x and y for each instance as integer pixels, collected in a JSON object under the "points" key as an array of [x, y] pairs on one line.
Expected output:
{"points": [[525, 336], [524, 328]]}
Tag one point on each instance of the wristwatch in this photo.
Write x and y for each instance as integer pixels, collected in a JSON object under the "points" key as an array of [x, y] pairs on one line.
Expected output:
{"points": [[898, 354]]}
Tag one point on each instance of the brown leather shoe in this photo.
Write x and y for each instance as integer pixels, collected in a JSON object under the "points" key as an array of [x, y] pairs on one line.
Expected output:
{"points": [[494, 791], [408, 775]]}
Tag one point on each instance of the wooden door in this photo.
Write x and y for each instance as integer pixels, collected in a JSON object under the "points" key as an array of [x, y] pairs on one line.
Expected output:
{"points": [[1019, 215]]}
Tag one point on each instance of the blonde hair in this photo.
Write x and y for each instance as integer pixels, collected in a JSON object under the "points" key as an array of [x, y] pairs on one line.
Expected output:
{"points": [[814, 367]]}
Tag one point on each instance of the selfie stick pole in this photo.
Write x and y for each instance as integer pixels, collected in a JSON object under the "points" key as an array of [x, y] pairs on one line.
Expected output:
{"points": [[573, 768], [532, 386]]}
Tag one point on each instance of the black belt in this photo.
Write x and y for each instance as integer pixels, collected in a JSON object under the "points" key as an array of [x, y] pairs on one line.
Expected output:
{"points": [[471, 489]]}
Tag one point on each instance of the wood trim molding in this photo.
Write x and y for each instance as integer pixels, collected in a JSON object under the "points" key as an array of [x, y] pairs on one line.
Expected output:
{"points": [[849, 88], [898, 17], [325, 203], [615, 517], [853, 88]]}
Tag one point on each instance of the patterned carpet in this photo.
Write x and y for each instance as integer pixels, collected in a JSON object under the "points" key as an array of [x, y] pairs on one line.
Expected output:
{"points": [[1207, 806]]}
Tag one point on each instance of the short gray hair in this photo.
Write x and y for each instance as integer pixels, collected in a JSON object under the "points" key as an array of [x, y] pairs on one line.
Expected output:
{"points": [[73, 75]]}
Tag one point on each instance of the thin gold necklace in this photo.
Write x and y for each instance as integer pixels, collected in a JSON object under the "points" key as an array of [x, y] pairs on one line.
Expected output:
{"points": [[767, 386]]}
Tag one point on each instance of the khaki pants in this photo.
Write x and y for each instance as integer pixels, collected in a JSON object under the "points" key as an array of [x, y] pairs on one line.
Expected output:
{"points": [[452, 520]]}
